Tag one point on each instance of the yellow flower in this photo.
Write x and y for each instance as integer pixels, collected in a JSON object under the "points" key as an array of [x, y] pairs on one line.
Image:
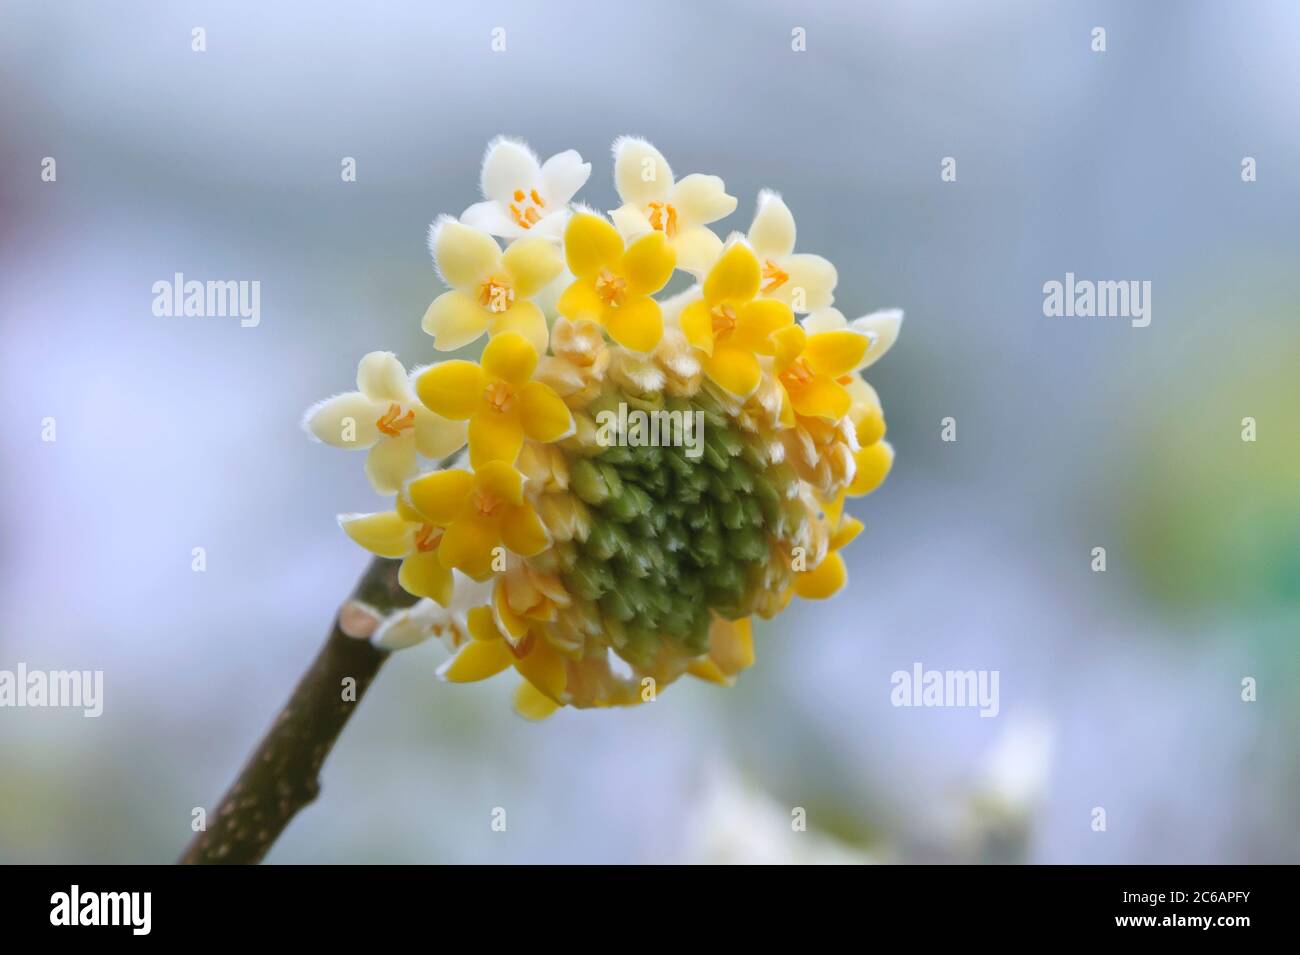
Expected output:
{"points": [[677, 209], [481, 511], [881, 327], [403, 534], [383, 415], [808, 368], [541, 665], [731, 649], [499, 398], [730, 326], [490, 290], [830, 575], [875, 456], [614, 283]]}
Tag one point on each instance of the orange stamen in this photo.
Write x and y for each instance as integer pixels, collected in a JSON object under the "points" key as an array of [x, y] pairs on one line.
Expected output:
{"points": [[610, 288], [428, 538], [724, 321], [663, 218], [773, 277], [796, 375], [499, 396], [393, 422], [496, 296], [485, 503], [524, 209]]}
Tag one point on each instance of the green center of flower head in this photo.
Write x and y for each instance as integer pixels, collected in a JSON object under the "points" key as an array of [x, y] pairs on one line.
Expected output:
{"points": [[680, 530]]}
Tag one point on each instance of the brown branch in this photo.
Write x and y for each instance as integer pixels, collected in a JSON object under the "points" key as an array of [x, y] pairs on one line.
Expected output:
{"points": [[281, 777]]}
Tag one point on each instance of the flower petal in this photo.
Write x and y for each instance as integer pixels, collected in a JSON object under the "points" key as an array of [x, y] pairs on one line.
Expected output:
{"points": [[836, 353], [440, 496], [591, 244], [467, 545], [531, 264], [437, 437], [755, 323], [697, 249], [772, 232], [849, 529], [700, 199], [734, 278], [630, 220], [508, 165], [562, 176], [697, 325], [544, 416], [524, 319], [423, 575], [390, 462], [820, 397], [885, 325], [731, 644], [580, 301], [453, 389], [824, 320], [494, 436], [532, 704], [344, 421], [523, 531], [510, 357], [477, 660], [385, 533], [544, 668], [454, 320], [788, 344], [465, 257], [491, 217], [501, 479], [381, 377], [825, 580], [872, 467], [641, 173], [648, 264], [734, 370], [809, 285], [512, 626], [637, 324]]}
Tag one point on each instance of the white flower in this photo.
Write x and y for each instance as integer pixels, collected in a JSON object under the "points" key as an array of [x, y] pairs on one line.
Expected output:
{"points": [[804, 282], [881, 327], [523, 197], [385, 416], [426, 619], [680, 209], [733, 822]]}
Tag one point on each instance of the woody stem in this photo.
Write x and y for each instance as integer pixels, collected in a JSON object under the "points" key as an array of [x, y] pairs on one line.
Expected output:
{"points": [[282, 775]]}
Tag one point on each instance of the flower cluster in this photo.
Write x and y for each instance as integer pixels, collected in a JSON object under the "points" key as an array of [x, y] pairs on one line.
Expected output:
{"points": [[630, 475]]}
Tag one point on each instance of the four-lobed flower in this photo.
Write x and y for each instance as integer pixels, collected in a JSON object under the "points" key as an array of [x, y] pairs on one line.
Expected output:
{"points": [[678, 209], [384, 416], [491, 290], [614, 282]]}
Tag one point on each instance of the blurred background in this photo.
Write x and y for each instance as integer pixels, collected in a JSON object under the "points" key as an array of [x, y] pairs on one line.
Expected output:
{"points": [[1120, 690]]}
